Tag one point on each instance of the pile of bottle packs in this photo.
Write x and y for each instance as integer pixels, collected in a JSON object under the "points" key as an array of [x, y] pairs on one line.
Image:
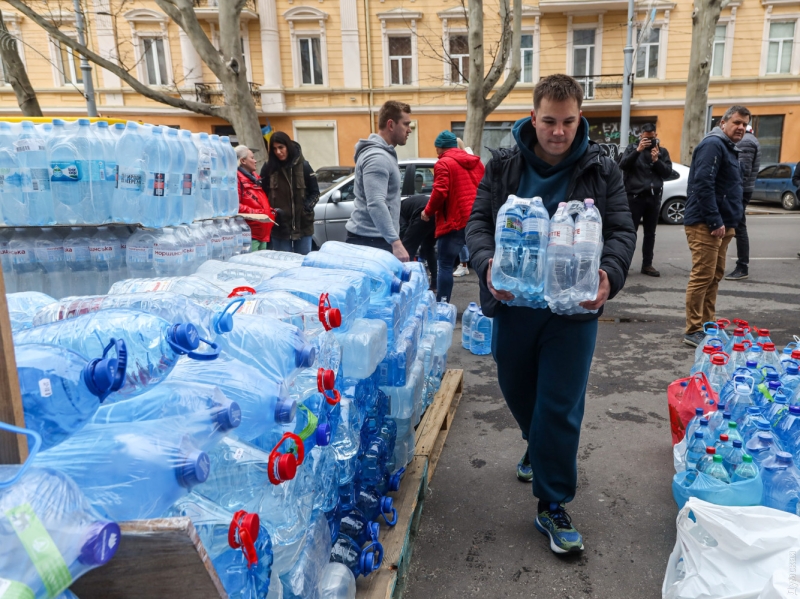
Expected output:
{"points": [[270, 397], [742, 447], [476, 331], [548, 262]]}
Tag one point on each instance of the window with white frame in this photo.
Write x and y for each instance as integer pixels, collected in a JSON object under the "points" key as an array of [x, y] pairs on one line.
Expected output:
{"points": [[69, 65], [718, 51], [310, 60], [526, 60], [401, 60], [155, 60], [779, 49], [583, 49], [459, 58], [647, 54]]}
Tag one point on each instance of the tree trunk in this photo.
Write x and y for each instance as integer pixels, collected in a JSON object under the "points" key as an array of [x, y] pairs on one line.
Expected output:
{"points": [[704, 23], [16, 73], [476, 117]]}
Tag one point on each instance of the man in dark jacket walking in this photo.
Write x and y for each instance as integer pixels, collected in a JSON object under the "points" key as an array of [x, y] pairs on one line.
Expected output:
{"points": [[419, 236], [644, 168], [750, 161], [543, 359], [713, 210]]}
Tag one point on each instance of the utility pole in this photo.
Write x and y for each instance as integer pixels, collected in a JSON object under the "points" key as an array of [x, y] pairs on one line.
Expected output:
{"points": [[627, 84], [86, 68]]}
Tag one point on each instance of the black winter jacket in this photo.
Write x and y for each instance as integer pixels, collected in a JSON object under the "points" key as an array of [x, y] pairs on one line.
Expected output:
{"points": [[642, 175], [749, 160], [594, 176], [714, 190]]}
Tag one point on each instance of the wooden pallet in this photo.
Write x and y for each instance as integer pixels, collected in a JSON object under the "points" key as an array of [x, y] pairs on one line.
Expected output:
{"points": [[398, 541]]}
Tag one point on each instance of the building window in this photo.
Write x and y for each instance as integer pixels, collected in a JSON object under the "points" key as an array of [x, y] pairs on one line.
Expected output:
{"points": [[401, 60], [583, 60], [526, 48], [459, 59], [310, 60], [70, 66], [779, 51], [647, 55], [718, 50], [155, 61], [769, 131]]}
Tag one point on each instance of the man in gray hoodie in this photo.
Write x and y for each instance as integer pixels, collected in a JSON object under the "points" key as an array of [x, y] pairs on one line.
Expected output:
{"points": [[375, 220]]}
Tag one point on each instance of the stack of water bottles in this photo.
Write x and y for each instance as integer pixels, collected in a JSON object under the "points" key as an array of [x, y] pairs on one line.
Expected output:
{"points": [[548, 263], [743, 445], [476, 331], [280, 421]]}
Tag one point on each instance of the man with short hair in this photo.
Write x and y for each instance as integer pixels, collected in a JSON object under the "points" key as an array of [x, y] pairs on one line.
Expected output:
{"points": [[750, 161], [713, 209], [375, 220], [644, 167], [543, 359]]}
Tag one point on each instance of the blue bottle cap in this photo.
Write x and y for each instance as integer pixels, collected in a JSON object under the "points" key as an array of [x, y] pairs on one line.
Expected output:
{"points": [[285, 410], [773, 376], [100, 544], [228, 416], [704, 422], [794, 409], [305, 356], [104, 375], [783, 458], [84, 122], [117, 125], [183, 338], [792, 368], [405, 276], [194, 469], [765, 438], [397, 284], [386, 505], [737, 442], [763, 425], [753, 410], [374, 530], [102, 124], [726, 415], [224, 323], [698, 434], [322, 436], [698, 411], [751, 364], [394, 481], [774, 384]]}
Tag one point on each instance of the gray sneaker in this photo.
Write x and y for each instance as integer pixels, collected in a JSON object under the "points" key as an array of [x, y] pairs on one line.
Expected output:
{"points": [[694, 339]]}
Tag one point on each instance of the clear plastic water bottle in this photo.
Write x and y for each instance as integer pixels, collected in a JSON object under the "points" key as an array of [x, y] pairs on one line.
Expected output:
{"points": [[362, 562], [707, 459], [733, 458], [108, 184], [204, 205], [188, 178], [718, 372], [777, 410], [139, 254], [153, 211], [738, 357], [214, 235], [127, 203], [695, 450], [481, 335], [228, 239], [122, 234], [76, 162], [117, 130], [303, 578], [247, 234], [723, 446], [752, 421], [192, 287], [238, 275], [382, 281], [29, 274], [12, 207], [363, 347], [337, 582], [386, 258], [717, 470], [132, 470], [270, 259], [228, 184], [24, 306], [202, 244], [189, 247], [588, 247], [152, 343], [34, 206], [560, 264], [83, 279], [61, 389], [167, 254], [44, 508], [174, 188], [694, 423], [9, 275], [238, 546], [105, 254], [508, 240], [762, 446], [781, 481], [741, 399], [535, 229], [49, 250], [788, 430], [218, 195], [711, 330], [746, 470], [733, 431]]}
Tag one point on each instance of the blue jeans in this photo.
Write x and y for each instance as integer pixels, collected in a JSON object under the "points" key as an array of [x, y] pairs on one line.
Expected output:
{"points": [[449, 246], [463, 255], [300, 246]]}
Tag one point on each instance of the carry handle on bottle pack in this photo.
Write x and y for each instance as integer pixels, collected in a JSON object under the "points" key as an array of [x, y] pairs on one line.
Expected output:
{"points": [[326, 379], [283, 466], [32, 451], [107, 373], [223, 322], [241, 291], [684, 395], [331, 318], [243, 532], [184, 339]]}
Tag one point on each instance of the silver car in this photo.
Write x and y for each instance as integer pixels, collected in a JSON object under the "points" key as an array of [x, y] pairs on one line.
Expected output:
{"points": [[673, 198], [336, 203]]}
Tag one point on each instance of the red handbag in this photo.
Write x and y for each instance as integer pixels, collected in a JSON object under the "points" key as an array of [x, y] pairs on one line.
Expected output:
{"points": [[684, 395]]}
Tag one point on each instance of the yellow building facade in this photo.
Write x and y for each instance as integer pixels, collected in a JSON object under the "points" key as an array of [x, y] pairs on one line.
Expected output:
{"points": [[322, 68]]}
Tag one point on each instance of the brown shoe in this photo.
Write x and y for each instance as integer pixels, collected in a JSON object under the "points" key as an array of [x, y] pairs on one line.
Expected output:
{"points": [[650, 271]]}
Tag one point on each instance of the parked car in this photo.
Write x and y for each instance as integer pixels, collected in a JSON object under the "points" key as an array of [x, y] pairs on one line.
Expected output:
{"points": [[673, 198], [336, 203], [774, 185], [328, 176]]}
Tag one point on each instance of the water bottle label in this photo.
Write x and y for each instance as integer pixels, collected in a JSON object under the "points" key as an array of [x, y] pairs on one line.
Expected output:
{"points": [[189, 253], [65, 171], [248, 308], [478, 336], [45, 388], [204, 177], [167, 257], [11, 589], [41, 549], [29, 145], [51, 254], [94, 170], [238, 454], [21, 256], [215, 180], [229, 239], [152, 285], [521, 202], [512, 223], [202, 252], [77, 253], [111, 172], [130, 179], [560, 234], [139, 255], [38, 179], [12, 177], [587, 232], [532, 226], [159, 180], [186, 184], [101, 253]]}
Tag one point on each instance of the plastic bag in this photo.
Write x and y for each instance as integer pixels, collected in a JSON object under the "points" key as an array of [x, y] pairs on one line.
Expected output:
{"points": [[684, 395], [708, 488], [730, 552]]}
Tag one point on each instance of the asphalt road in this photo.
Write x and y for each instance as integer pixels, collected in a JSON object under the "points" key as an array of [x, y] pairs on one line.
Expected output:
{"points": [[477, 537]]}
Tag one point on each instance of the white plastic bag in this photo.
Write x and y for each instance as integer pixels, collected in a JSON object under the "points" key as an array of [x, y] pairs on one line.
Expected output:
{"points": [[782, 585], [732, 553]]}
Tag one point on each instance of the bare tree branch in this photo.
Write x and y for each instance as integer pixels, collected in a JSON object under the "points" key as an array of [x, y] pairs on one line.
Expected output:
{"points": [[16, 73], [501, 58], [514, 71], [182, 12]]}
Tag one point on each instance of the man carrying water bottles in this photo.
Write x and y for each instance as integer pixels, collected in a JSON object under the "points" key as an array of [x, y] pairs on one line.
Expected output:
{"points": [[543, 359]]}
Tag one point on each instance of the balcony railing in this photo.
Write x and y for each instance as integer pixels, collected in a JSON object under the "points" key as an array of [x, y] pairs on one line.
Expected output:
{"points": [[249, 5], [601, 87], [211, 93]]}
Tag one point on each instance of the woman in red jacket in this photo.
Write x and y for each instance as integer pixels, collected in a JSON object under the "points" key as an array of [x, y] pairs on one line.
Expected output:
{"points": [[455, 183], [253, 198]]}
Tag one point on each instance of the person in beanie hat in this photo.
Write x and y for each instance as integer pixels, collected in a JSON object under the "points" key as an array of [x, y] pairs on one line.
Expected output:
{"points": [[455, 182]]}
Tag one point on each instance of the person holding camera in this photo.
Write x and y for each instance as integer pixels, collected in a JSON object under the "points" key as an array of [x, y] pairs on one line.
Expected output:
{"points": [[644, 168]]}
